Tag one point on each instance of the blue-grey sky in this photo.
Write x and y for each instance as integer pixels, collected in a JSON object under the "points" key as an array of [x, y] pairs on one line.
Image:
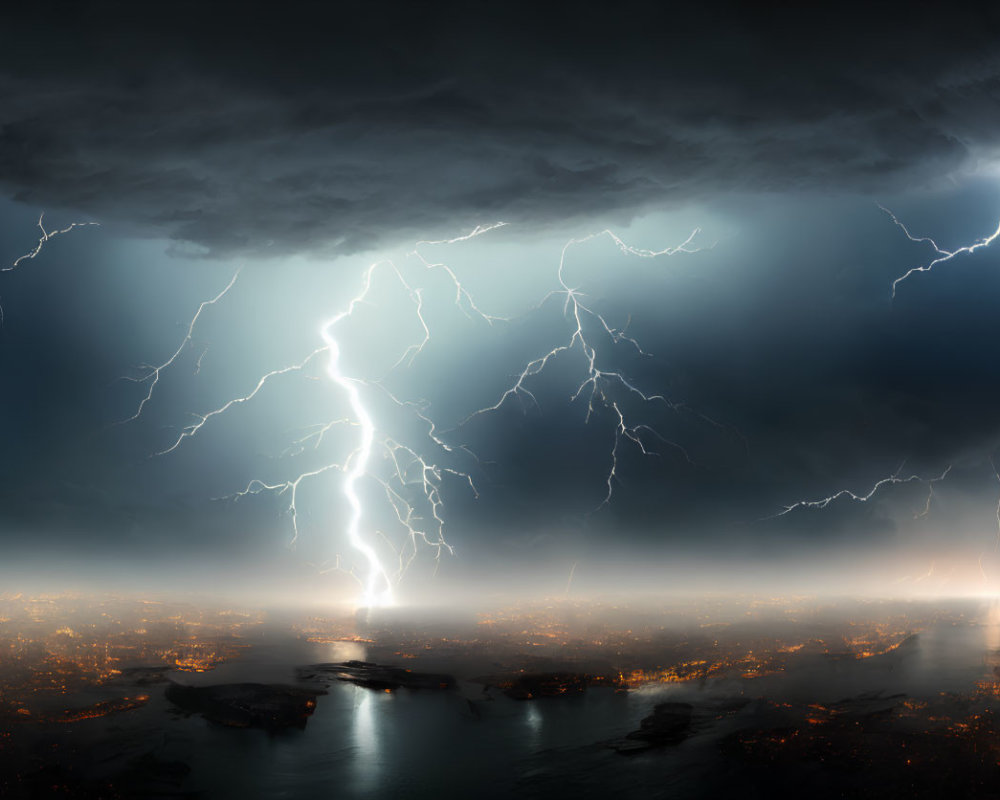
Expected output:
{"points": [[301, 143]]}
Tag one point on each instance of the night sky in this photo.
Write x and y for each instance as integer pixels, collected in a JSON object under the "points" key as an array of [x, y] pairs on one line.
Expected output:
{"points": [[299, 143]]}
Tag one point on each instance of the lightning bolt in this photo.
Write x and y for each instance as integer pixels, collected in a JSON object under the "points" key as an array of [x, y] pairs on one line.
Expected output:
{"points": [[410, 473], [942, 255], [892, 480], [569, 580], [411, 481], [42, 241], [996, 475], [151, 374], [598, 381]]}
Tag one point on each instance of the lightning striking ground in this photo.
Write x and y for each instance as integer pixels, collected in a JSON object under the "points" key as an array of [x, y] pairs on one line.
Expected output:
{"points": [[412, 475], [409, 469]]}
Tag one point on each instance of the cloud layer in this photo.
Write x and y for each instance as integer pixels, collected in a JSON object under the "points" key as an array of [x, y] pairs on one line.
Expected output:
{"points": [[333, 126]]}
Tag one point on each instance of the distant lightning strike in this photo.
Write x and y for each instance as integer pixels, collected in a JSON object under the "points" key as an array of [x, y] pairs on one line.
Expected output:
{"points": [[996, 474], [892, 480], [941, 256]]}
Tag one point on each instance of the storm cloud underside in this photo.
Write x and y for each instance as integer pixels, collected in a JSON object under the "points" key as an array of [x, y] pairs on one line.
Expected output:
{"points": [[240, 128]]}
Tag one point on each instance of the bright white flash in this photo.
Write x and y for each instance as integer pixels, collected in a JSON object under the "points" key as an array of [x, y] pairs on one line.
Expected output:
{"points": [[377, 585], [410, 479], [408, 470]]}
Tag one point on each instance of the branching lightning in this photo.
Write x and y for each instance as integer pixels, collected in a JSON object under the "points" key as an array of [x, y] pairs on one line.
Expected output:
{"points": [[408, 469], [42, 241], [942, 255], [410, 480], [151, 374], [892, 480], [598, 381]]}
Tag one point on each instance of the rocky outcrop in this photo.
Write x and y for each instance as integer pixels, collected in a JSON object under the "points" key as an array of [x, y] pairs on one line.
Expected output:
{"points": [[374, 676], [670, 723], [247, 705]]}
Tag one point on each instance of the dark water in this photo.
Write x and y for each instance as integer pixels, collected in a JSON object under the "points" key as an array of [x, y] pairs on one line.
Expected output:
{"points": [[367, 744], [361, 743]]}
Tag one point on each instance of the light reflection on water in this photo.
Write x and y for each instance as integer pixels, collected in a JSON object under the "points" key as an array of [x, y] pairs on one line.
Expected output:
{"points": [[365, 763], [364, 743]]}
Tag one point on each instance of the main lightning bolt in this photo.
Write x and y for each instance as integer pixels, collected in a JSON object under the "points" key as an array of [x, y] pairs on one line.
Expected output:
{"points": [[357, 466], [408, 470], [409, 479]]}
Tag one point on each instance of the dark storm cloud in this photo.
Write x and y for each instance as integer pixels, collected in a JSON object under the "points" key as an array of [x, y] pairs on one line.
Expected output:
{"points": [[290, 126]]}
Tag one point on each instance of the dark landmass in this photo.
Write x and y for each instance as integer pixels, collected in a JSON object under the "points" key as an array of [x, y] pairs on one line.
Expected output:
{"points": [[100, 709], [670, 723], [144, 776], [873, 747], [374, 676], [767, 699], [144, 676], [247, 705]]}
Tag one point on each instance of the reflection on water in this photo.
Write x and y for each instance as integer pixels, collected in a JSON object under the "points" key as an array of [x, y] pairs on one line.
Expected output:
{"points": [[809, 681], [365, 763], [363, 743], [533, 718]]}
